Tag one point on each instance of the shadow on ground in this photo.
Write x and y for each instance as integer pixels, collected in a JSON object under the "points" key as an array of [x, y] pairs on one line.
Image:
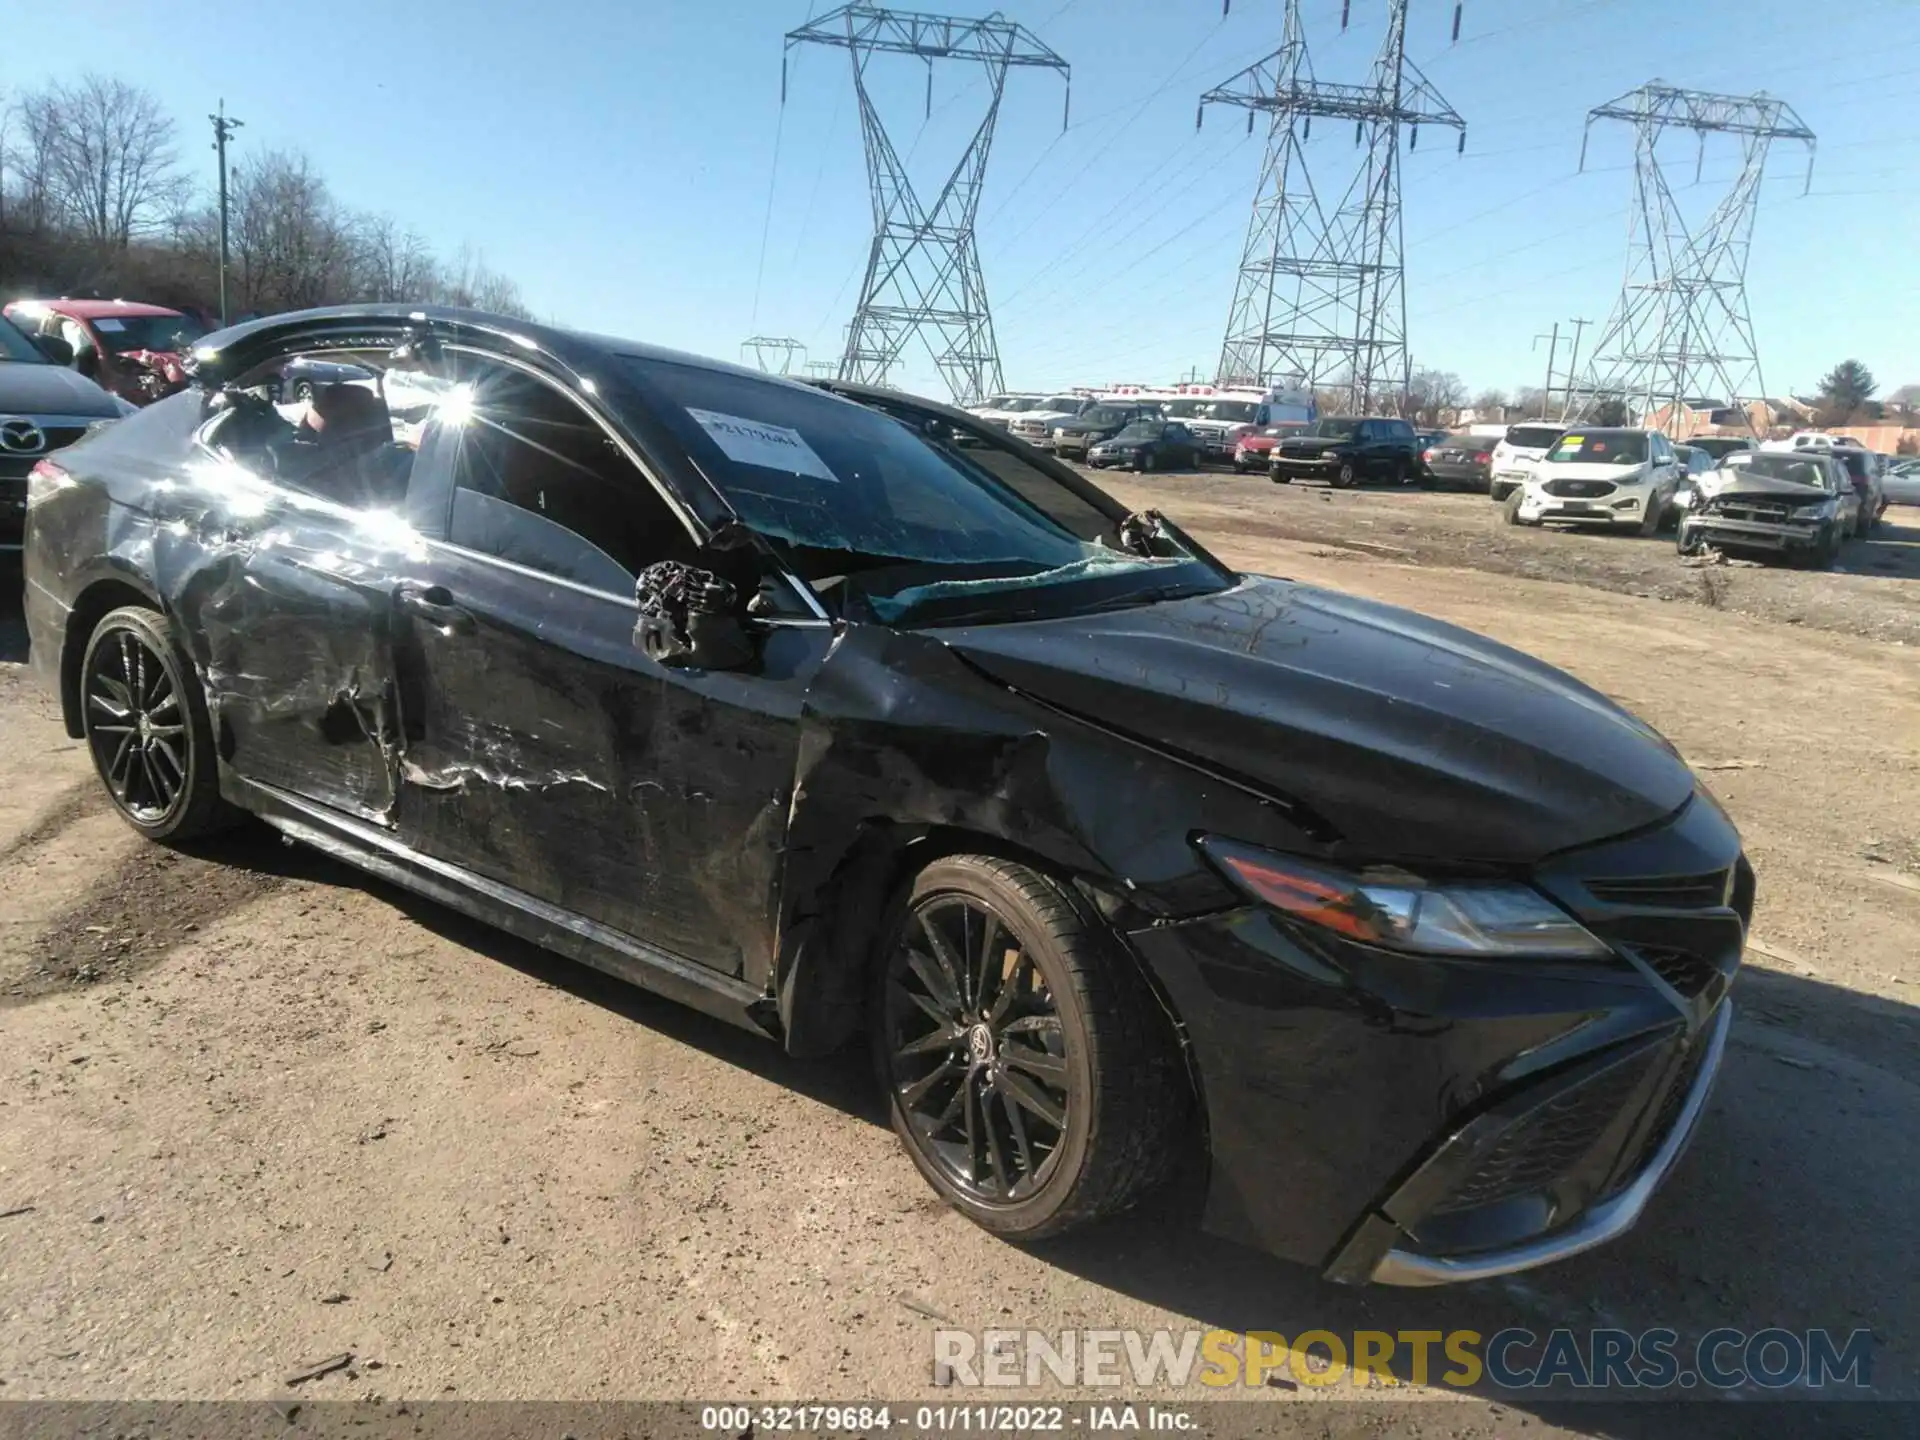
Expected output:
{"points": [[1793, 1208]]}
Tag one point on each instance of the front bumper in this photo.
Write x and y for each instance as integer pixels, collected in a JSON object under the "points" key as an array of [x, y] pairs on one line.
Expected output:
{"points": [[1414, 1120], [1750, 534], [1621, 506], [1302, 467]]}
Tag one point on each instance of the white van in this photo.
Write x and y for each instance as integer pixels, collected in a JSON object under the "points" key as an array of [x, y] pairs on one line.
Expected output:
{"points": [[1221, 415]]}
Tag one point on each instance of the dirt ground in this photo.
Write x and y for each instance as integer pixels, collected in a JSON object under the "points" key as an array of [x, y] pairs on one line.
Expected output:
{"points": [[256, 1110]]}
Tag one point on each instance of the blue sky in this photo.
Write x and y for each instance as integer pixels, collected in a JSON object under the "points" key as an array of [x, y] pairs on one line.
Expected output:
{"points": [[618, 158]]}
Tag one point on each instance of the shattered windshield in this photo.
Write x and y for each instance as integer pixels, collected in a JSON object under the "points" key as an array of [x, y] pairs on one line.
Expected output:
{"points": [[1780, 467], [895, 525]]}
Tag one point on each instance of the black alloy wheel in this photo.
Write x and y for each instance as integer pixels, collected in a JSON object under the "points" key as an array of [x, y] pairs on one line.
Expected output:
{"points": [[1029, 1071], [147, 729]]}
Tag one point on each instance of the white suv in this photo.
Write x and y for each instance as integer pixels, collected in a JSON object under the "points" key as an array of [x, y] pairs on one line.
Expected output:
{"points": [[1516, 452], [1594, 475]]}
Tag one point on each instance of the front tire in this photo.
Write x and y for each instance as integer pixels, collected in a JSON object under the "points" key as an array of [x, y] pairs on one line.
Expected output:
{"points": [[1650, 518], [1347, 476], [302, 392], [1030, 1072], [1510, 508], [146, 727], [1146, 461]]}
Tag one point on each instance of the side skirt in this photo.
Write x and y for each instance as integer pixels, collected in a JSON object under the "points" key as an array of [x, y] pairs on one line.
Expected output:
{"points": [[514, 911]]}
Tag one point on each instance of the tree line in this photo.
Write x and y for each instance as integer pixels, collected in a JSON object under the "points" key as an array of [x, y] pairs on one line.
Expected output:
{"points": [[95, 201]]}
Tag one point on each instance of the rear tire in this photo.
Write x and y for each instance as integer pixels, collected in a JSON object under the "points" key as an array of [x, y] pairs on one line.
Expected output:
{"points": [[1030, 1073], [147, 730]]}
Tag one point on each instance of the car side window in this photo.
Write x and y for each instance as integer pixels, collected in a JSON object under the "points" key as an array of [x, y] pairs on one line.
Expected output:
{"points": [[531, 478], [339, 442]]}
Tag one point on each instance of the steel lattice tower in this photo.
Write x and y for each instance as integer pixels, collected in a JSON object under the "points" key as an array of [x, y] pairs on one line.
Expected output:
{"points": [[923, 270], [1320, 300], [1681, 328], [770, 351]]}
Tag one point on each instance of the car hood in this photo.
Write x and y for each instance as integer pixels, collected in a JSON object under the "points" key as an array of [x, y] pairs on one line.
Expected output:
{"points": [[1409, 737], [1741, 481], [30, 389], [1586, 470]]}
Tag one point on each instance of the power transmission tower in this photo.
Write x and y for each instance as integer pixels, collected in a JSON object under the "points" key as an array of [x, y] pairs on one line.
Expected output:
{"points": [[822, 369], [923, 269], [1320, 300], [1681, 329], [772, 354]]}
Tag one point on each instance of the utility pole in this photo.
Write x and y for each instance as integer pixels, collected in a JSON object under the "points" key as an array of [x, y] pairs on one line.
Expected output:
{"points": [[223, 127], [1573, 367], [923, 267], [1553, 352], [1681, 328], [1319, 300]]}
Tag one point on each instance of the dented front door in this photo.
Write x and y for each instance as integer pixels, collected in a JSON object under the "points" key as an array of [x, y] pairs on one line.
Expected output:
{"points": [[545, 751], [295, 615]]}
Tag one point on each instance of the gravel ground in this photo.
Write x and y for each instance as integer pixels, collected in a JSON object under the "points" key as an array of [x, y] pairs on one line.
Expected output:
{"points": [[256, 1110]]}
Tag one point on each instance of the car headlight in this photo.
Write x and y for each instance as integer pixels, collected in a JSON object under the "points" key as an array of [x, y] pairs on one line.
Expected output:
{"points": [[1489, 919]]}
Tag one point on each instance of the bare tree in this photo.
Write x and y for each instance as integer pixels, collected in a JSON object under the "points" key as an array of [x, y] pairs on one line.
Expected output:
{"points": [[289, 241], [1490, 402], [1531, 402], [1434, 396], [392, 264], [106, 153]]}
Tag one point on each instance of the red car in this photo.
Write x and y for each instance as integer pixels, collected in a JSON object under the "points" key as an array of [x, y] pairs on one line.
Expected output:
{"points": [[1251, 452], [134, 350]]}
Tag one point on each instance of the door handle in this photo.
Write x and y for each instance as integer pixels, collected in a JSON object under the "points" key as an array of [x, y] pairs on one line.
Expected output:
{"points": [[435, 605]]}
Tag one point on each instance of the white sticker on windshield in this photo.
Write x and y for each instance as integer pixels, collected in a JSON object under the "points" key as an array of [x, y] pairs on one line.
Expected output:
{"points": [[107, 322], [772, 447]]}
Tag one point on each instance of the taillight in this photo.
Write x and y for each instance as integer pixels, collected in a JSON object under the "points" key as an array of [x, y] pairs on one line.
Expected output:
{"points": [[44, 481], [1484, 457], [1426, 454]]}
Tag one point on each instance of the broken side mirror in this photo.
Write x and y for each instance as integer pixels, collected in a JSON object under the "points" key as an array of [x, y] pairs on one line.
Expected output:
{"points": [[690, 619]]}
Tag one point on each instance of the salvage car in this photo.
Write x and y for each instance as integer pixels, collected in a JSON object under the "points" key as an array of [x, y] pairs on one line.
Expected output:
{"points": [[129, 348], [1800, 506], [1517, 452], [1148, 443], [1600, 476], [1695, 461], [1077, 436], [1255, 451], [777, 699], [44, 407], [1459, 462], [1345, 450]]}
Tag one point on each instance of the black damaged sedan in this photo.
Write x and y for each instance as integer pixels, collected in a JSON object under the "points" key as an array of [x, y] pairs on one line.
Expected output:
{"points": [[785, 702]]}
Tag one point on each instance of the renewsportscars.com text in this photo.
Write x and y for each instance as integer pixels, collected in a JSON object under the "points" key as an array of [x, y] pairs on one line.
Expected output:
{"points": [[1511, 1359]]}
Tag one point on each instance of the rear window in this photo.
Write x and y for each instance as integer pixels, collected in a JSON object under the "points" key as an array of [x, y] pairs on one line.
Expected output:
{"points": [[1533, 437]]}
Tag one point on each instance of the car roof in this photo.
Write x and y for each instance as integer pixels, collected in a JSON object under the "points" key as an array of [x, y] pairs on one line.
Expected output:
{"points": [[570, 346], [95, 309]]}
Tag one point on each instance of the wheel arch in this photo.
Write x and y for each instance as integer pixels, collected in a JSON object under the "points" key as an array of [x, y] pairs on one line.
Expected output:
{"points": [[96, 599], [825, 960]]}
